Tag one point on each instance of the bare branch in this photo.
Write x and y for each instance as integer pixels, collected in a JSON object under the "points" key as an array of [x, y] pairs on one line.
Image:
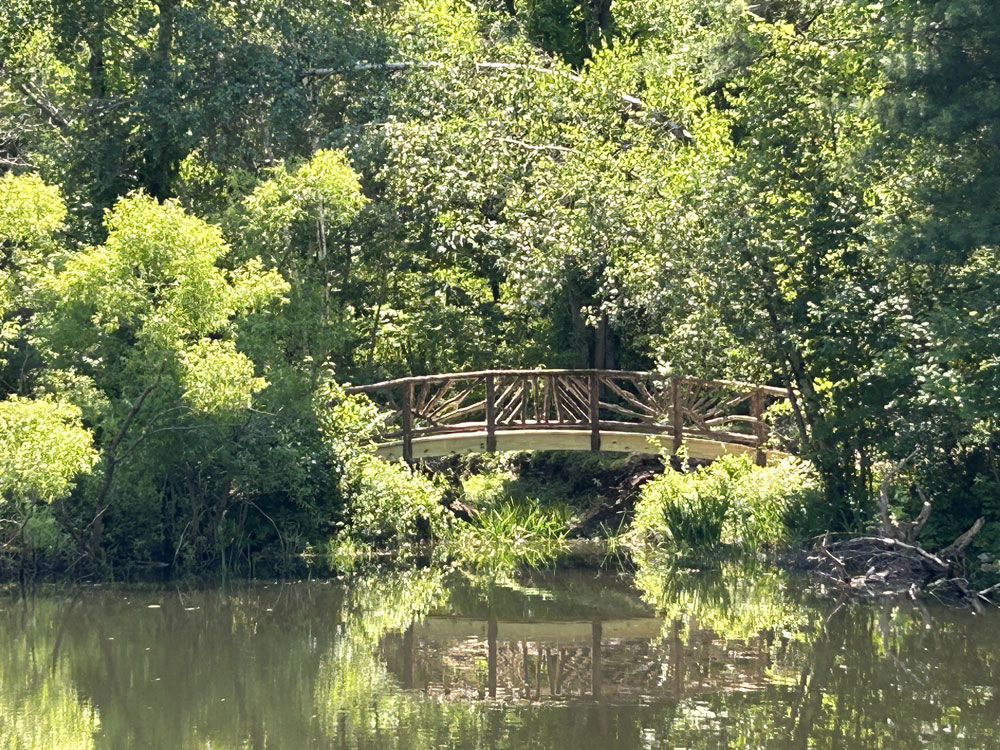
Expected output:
{"points": [[107, 106], [925, 511], [363, 67], [46, 107], [845, 576], [957, 547], [886, 525], [985, 593], [537, 146], [14, 163], [935, 561]]}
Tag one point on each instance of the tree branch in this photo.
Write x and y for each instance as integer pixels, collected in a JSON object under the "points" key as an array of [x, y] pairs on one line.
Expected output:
{"points": [[957, 547], [538, 146], [887, 527], [111, 460], [46, 108], [914, 528]]}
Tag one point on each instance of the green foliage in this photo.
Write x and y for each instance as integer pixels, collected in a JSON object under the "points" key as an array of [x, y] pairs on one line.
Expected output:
{"points": [[217, 379], [386, 506], [731, 501], [487, 488], [774, 504], [321, 191], [43, 450], [158, 275], [30, 210], [689, 510], [391, 507], [31, 213], [511, 534]]}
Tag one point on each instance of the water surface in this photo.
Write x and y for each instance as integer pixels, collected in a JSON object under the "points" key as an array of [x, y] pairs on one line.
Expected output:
{"points": [[731, 659]]}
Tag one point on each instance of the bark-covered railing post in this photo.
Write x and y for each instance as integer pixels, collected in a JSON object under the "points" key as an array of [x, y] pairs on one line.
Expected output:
{"points": [[595, 412], [491, 413], [676, 415], [407, 416], [759, 428]]}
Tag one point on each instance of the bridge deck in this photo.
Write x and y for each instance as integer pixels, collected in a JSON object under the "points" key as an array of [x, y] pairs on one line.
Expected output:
{"points": [[565, 440]]}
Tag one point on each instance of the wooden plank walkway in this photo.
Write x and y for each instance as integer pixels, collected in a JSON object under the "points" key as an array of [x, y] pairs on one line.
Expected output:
{"points": [[595, 410]]}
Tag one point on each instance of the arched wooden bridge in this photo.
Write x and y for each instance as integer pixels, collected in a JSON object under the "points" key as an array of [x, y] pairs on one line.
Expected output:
{"points": [[593, 410]]}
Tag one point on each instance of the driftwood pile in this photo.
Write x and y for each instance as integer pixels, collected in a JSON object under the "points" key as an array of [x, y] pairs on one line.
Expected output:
{"points": [[891, 561]]}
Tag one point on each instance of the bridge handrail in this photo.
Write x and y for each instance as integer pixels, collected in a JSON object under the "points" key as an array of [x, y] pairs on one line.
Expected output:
{"points": [[770, 390]]}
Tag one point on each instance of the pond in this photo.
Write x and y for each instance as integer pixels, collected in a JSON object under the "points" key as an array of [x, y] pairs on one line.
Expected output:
{"points": [[733, 658]]}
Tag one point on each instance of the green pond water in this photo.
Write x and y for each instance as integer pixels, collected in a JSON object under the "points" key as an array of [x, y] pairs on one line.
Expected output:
{"points": [[730, 659]]}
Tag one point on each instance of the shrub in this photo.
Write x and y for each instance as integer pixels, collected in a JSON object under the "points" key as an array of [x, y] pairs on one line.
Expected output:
{"points": [[385, 505], [482, 490], [390, 505], [689, 510], [731, 501]]}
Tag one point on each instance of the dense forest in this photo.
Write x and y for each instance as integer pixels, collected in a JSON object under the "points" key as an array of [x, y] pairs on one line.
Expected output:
{"points": [[213, 214]]}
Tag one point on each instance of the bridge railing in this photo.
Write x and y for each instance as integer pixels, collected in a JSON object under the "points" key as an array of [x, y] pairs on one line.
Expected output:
{"points": [[612, 400]]}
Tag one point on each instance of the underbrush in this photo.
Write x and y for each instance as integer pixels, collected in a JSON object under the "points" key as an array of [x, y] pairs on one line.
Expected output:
{"points": [[390, 509], [387, 508], [508, 527], [731, 503]]}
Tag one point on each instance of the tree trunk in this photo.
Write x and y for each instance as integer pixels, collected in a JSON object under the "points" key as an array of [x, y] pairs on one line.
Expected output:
{"points": [[581, 338], [160, 150]]}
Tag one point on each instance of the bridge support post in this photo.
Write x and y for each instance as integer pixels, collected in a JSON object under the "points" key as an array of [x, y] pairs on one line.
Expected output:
{"points": [[676, 416], [491, 414], [407, 416], [595, 416], [759, 428]]}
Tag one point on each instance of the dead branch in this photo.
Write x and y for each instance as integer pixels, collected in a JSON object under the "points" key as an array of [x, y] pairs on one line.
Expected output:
{"points": [[911, 530], [537, 146], [956, 548], [985, 593], [887, 565], [43, 105], [837, 562], [889, 528]]}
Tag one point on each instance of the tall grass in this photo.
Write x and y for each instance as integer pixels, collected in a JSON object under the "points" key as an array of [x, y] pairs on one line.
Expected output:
{"points": [[732, 503], [512, 534]]}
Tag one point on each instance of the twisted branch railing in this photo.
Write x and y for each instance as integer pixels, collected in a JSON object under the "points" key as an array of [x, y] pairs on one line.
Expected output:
{"points": [[586, 400]]}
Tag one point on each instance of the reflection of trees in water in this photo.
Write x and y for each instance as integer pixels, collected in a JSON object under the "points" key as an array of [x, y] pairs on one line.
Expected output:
{"points": [[811, 675], [736, 600], [308, 667], [219, 668], [39, 706]]}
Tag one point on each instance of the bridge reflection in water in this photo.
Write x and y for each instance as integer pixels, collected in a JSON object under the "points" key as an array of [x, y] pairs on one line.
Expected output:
{"points": [[636, 659], [596, 410]]}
